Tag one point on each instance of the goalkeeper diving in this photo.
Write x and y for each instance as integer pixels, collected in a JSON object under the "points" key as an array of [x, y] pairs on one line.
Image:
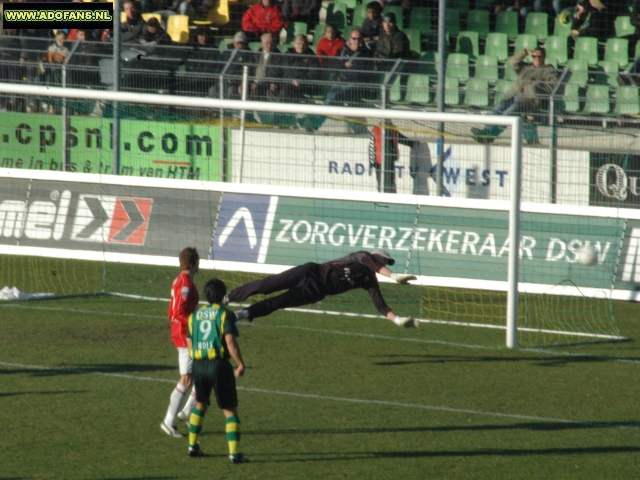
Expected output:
{"points": [[312, 282]]}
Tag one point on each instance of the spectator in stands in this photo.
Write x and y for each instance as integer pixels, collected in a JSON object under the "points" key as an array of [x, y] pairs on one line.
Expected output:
{"points": [[329, 45], [153, 34], [50, 71], [204, 52], [235, 58], [587, 19], [530, 92], [392, 43], [13, 55], [300, 71], [301, 11], [263, 17], [268, 70], [131, 28], [372, 26]]}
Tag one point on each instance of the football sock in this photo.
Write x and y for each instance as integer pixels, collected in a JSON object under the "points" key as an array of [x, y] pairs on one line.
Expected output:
{"points": [[190, 403], [195, 426], [233, 434], [174, 404]]}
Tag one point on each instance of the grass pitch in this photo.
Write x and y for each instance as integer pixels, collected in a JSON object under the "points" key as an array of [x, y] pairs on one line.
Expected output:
{"points": [[86, 382]]}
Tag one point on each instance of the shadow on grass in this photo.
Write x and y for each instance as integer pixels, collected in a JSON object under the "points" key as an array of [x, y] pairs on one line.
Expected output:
{"points": [[542, 361], [86, 369], [537, 426], [485, 452], [63, 392]]}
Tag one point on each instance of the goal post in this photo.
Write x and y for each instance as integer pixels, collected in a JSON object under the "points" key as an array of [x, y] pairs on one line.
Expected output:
{"points": [[288, 213]]}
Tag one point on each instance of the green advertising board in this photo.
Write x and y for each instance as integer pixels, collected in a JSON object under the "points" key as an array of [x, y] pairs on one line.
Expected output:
{"points": [[147, 148], [446, 241]]}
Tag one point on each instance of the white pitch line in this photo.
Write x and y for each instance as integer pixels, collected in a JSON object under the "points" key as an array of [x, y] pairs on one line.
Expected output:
{"points": [[328, 397], [354, 334]]}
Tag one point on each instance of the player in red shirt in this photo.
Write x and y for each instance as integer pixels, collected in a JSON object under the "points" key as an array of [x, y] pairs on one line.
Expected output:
{"points": [[184, 301]]}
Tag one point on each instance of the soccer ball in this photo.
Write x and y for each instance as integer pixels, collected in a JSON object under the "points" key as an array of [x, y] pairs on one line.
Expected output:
{"points": [[587, 255]]}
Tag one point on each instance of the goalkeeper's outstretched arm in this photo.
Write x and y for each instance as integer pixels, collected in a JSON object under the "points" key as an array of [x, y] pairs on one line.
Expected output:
{"points": [[401, 278]]}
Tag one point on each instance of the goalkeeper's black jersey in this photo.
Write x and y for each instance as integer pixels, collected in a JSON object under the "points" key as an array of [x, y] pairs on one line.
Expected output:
{"points": [[357, 270]]}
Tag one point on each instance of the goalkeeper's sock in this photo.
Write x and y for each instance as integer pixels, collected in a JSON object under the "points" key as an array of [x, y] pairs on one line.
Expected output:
{"points": [[190, 403], [195, 426], [174, 404], [233, 434]]}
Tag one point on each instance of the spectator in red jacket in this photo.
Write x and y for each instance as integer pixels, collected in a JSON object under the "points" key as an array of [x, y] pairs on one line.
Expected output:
{"points": [[329, 45], [263, 17]]}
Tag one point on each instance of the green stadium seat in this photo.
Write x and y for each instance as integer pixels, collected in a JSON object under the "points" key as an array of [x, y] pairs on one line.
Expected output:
{"points": [[537, 23], [557, 48], [452, 22], [598, 99], [627, 100], [623, 26], [452, 91], [337, 15], [296, 28], [351, 4], [428, 63], [526, 41], [507, 22], [420, 18], [478, 21], [318, 33], [463, 6], [510, 73], [414, 39], [617, 50], [477, 93], [571, 98], [502, 88], [468, 42], [497, 44], [561, 29], [587, 48], [255, 46], [579, 69], [607, 73], [346, 31], [487, 68], [224, 43], [359, 15], [284, 47], [458, 67], [418, 90], [398, 12]]}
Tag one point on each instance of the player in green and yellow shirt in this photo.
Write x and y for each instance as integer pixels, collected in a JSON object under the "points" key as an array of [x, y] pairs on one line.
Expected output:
{"points": [[211, 337]]}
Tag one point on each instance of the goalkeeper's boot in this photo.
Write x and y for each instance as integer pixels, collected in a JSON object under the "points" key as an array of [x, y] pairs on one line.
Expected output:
{"points": [[406, 322], [244, 315], [195, 451], [239, 458], [171, 430]]}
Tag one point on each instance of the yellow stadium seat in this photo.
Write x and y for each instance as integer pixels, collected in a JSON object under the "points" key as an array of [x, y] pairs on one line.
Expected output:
{"points": [[147, 16], [216, 16], [178, 28]]}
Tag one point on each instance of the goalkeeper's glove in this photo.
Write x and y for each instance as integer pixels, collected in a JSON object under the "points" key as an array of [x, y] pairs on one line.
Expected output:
{"points": [[402, 277], [406, 322]]}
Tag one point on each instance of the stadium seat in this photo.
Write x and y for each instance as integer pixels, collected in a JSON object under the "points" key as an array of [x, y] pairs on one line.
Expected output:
{"points": [[627, 100], [284, 47], [463, 6], [507, 22], [617, 50], [255, 46], [537, 23], [526, 41], [598, 99], [346, 31], [607, 73], [420, 18], [337, 15], [123, 17], [497, 44], [178, 28], [510, 73], [359, 15], [451, 91], [478, 21], [147, 16], [557, 48], [427, 64], [477, 93], [561, 29], [487, 68], [349, 3], [318, 33], [224, 44], [216, 16], [414, 39], [571, 98], [468, 43], [587, 48], [398, 12], [296, 28], [418, 90], [458, 67], [579, 69], [624, 27], [502, 88], [452, 22]]}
